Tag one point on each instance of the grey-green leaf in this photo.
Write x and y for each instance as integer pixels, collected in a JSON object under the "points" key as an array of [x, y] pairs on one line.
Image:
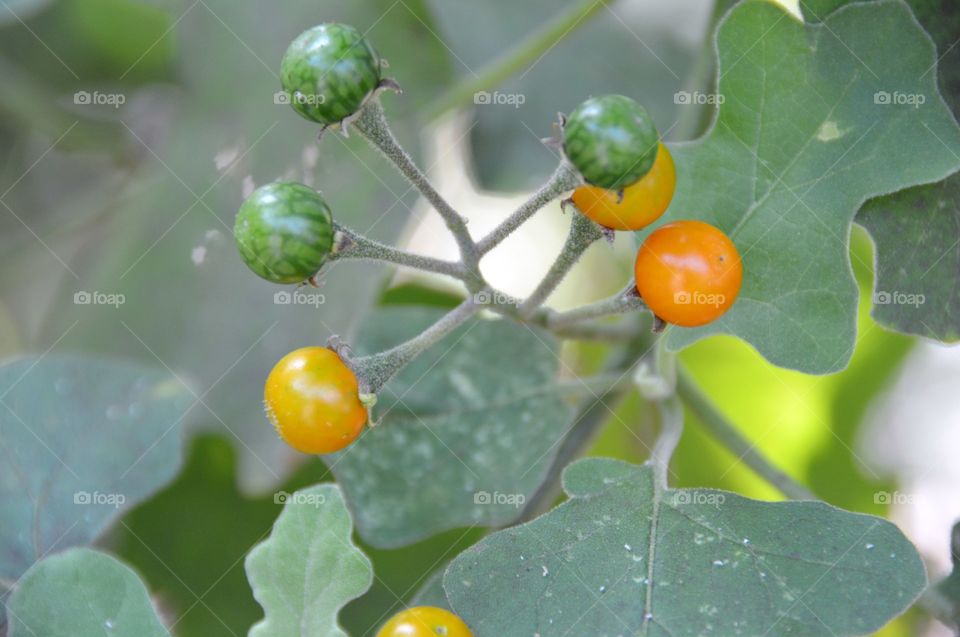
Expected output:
{"points": [[621, 557], [308, 568], [467, 433], [815, 119], [917, 231], [81, 440], [82, 593]]}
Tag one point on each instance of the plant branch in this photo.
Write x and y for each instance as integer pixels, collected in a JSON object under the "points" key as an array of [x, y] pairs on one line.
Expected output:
{"points": [[376, 370], [564, 178], [671, 427], [588, 421], [624, 301], [583, 233], [371, 122], [525, 54], [353, 245], [728, 435]]}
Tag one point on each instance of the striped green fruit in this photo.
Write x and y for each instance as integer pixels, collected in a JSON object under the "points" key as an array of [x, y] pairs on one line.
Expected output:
{"points": [[328, 71], [611, 141], [284, 232]]}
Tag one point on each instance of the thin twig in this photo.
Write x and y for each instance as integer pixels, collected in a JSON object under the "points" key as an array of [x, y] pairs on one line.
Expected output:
{"points": [[353, 245], [372, 124], [728, 435], [564, 179], [625, 301]]}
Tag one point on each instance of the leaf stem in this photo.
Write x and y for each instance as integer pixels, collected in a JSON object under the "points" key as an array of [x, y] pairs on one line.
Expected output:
{"points": [[376, 370], [372, 124], [525, 54], [583, 233], [728, 435], [671, 427], [588, 421], [564, 178], [353, 245]]}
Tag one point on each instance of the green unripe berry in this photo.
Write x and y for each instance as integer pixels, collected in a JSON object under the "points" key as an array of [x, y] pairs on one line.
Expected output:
{"points": [[328, 71], [611, 141], [284, 232]]}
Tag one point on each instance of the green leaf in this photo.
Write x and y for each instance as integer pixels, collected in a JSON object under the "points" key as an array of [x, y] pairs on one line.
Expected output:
{"points": [[308, 568], [915, 290], [81, 440], [82, 593], [943, 598], [467, 434], [14, 11], [621, 557], [800, 142]]}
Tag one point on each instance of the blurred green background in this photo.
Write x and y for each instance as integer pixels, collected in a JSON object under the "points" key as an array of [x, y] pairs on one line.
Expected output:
{"points": [[129, 132]]}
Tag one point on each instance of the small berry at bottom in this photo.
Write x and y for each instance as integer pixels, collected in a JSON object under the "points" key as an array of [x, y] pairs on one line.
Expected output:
{"points": [[425, 621]]}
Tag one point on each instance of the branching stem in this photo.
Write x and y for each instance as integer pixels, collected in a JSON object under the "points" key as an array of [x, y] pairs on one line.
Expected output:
{"points": [[372, 124], [724, 431], [353, 245], [564, 179], [625, 301], [583, 233]]}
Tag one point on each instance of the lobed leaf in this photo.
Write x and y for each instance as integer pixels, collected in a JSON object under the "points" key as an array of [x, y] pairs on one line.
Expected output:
{"points": [[81, 441], [82, 593], [308, 568], [622, 557], [815, 119]]}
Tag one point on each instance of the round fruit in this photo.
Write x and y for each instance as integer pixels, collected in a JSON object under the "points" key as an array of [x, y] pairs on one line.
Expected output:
{"points": [[611, 141], [284, 232], [328, 71], [642, 203], [425, 621], [688, 273], [313, 400]]}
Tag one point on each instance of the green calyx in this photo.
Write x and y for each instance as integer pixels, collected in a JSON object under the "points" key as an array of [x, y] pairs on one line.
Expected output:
{"points": [[328, 71], [611, 140], [284, 232]]}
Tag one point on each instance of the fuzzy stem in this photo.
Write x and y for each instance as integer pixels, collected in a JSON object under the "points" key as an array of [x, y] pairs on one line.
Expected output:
{"points": [[564, 178], [353, 245], [671, 427], [589, 420], [372, 124], [621, 303], [376, 370], [583, 233], [728, 435], [623, 331]]}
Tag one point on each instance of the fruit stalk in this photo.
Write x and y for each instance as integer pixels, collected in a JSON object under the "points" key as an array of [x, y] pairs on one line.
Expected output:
{"points": [[583, 233], [372, 124], [621, 303], [353, 245], [376, 370], [564, 178]]}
